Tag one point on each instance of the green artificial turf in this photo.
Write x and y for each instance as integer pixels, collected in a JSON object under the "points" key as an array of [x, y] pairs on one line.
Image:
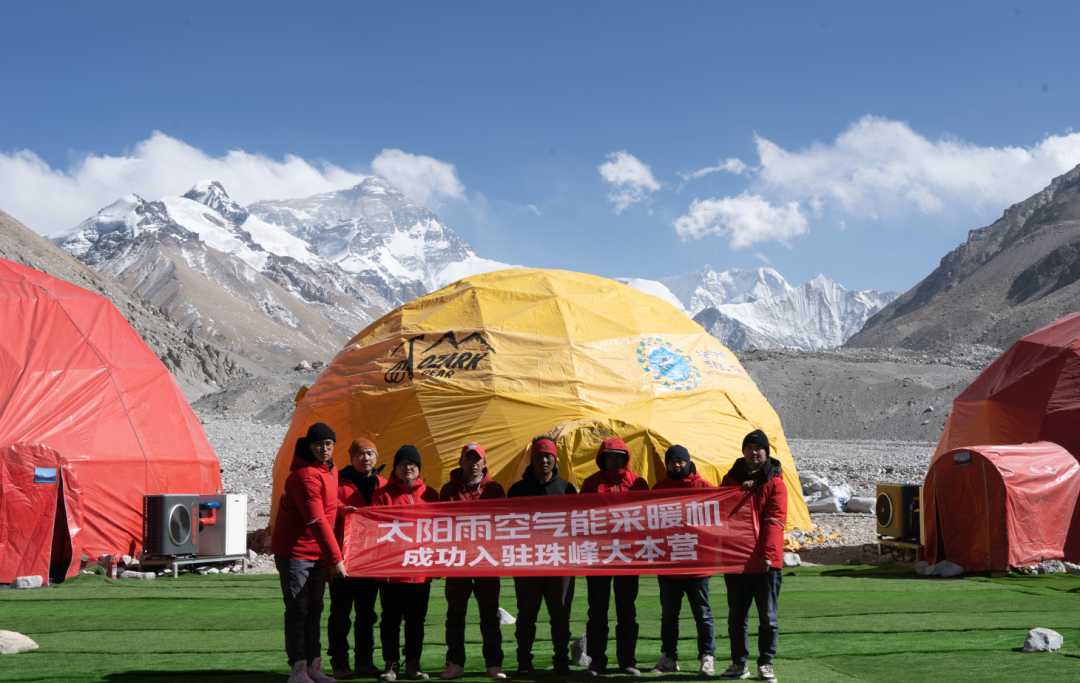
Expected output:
{"points": [[847, 624]]}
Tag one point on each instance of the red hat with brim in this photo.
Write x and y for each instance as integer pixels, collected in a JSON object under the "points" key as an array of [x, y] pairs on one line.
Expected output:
{"points": [[473, 448]]}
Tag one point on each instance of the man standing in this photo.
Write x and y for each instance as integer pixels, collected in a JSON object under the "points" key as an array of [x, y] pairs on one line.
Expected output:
{"points": [[760, 476], [303, 545], [682, 474], [541, 478], [614, 476], [472, 482], [404, 599], [357, 483]]}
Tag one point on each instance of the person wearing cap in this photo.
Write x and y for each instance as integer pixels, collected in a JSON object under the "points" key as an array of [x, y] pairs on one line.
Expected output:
{"points": [[404, 599], [683, 474], [357, 483], [615, 476], [541, 478], [304, 546], [760, 477], [471, 481]]}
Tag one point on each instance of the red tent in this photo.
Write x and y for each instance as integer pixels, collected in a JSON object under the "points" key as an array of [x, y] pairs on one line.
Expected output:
{"points": [[990, 508], [74, 376], [1030, 393]]}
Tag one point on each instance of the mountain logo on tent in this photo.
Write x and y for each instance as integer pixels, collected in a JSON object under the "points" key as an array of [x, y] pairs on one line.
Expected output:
{"points": [[668, 365], [443, 365]]}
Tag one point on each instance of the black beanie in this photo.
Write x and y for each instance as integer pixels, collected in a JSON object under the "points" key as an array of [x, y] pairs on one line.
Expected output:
{"points": [[407, 453], [757, 436], [677, 452], [320, 432]]}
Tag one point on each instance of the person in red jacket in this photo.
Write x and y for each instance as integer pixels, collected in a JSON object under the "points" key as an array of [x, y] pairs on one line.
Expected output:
{"points": [[470, 481], [682, 474], [357, 483], [303, 545], [404, 599], [613, 459], [760, 476]]}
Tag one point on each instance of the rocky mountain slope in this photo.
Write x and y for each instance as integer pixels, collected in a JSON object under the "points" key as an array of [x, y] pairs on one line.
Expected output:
{"points": [[200, 366], [1008, 279]]}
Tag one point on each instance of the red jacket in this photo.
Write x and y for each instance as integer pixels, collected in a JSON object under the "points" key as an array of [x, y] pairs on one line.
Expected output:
{"points": [[396, 492], [348, 495], [610, 482], [692, 480], [459, 489], [306, 514], [770, 506]]}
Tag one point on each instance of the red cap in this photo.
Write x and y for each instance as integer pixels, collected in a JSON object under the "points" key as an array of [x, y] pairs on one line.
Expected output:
{"points": [[469, 447], [544, 446], [613, 444], [361, 444]]}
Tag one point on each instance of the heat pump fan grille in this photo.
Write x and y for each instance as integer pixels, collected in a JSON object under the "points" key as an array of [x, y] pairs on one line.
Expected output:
{"points": [[179, 524], [884, 509]]}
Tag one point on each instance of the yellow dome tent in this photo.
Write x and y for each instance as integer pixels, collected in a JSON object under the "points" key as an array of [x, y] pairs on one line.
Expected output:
{"points": [[503, 357]]}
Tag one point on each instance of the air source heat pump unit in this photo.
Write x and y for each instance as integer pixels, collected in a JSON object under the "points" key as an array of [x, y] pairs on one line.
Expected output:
{"points": [[170, 525], [897, 509], [228, 534]]}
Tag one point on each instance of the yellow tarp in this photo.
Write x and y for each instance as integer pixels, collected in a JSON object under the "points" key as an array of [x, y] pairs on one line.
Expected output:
{"points": [[502, 357]]}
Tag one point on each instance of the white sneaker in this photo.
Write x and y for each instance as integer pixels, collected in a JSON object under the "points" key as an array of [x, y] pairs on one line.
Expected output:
{"points": [[299, 674], [391, 672], [665, 665], [413, 672], [452, 671], [495, 672], [707, 662], [735, 672], [765, 673], [315, 672]]}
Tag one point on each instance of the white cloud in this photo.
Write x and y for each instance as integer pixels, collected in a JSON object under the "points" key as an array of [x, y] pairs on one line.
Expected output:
{"points": [[632, 180], [762, 257], [48, 199], [746, 219], [878, 165], [735, 166], [423, 179], [532, 207]]}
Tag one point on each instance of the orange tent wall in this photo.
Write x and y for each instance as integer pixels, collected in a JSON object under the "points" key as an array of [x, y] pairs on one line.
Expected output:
{"points": [[76, 377]]}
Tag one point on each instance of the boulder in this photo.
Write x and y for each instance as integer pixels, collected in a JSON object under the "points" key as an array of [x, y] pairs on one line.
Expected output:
{"points": [[505, 617], [12, 643], [792, 560], [885, 559], [1043, 640], [1052, 567], [303, 366], [1072, 568], [143, 576], [27, 582], [945, 569], [578, 650], [252, 555], [921, 567], [318, 365], [854, 562], [126, 559]]}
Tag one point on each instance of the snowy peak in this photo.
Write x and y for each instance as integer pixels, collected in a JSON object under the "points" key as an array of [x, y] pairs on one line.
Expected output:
{"points": [[703, 288], [211, 193]]}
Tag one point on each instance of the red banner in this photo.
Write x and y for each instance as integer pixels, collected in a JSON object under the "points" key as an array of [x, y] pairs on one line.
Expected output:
{"points": [[698, 531]]}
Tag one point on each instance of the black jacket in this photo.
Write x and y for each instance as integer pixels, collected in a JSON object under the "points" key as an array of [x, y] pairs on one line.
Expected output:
{"points": [[531, 486]]}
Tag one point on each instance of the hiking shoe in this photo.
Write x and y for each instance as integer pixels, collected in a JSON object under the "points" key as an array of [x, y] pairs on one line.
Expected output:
{"points": [[765, 673], [315, 672], [495, 672], [345, 674], [526, 670], [365, 671], [735, 672], [707, 665], [665, 665], [630, 670], [299, 674], [391, 672], [560, 668], [590, 673], [452, 671], [413, 672]]}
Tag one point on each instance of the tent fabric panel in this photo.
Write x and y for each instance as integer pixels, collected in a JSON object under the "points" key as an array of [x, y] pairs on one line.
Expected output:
{"points": [[964, 510], [27, 511]]}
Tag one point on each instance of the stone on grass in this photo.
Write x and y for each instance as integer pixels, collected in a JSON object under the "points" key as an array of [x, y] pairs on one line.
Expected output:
{"points": [[1043, 640], [143, 576], [12, 643], [1052, 567], [505, 617], [126, 559], [578, 648], [945, 569], [792, 560], [213, 570], [854, 562], [1072, 568], [885, 559], [922, 567], [27, 582]]}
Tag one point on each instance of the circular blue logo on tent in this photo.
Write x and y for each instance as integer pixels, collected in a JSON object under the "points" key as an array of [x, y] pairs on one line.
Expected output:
{"points": [[666, 364]]}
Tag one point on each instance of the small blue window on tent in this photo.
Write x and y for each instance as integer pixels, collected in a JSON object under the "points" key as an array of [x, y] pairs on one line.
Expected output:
{"points": [[44, 475]]}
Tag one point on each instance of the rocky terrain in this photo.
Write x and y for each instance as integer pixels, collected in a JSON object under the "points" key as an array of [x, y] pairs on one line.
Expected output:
{"points": [[1008, 279]]}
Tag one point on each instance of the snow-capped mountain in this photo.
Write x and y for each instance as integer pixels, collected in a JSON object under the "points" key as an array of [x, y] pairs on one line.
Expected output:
{"points": [[819, 314], [703, 288], [380, 236]]}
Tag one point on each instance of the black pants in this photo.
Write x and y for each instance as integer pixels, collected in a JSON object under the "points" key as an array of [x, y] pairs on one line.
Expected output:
{"points": [[486, 590], [763, 589], [345, 595], [408, 601], [558, 593], [303, 583], [626, 627]]}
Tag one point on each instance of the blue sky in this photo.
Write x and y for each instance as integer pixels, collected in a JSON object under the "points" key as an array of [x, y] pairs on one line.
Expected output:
{"points": [[859, 140]]}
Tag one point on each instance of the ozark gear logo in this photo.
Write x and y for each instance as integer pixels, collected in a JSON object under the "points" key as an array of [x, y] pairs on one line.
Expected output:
{"points": [[435, 364], [666, 364]]}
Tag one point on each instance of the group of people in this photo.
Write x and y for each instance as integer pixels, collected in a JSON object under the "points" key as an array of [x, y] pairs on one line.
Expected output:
{"points": [[307, 539]]}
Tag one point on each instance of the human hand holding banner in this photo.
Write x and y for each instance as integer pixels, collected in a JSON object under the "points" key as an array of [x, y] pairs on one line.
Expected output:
{"points": [[700, 531]]}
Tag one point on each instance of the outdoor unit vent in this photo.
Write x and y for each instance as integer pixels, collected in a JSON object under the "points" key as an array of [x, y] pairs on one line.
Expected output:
{"points": [[897, 510], [170, 524]]}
